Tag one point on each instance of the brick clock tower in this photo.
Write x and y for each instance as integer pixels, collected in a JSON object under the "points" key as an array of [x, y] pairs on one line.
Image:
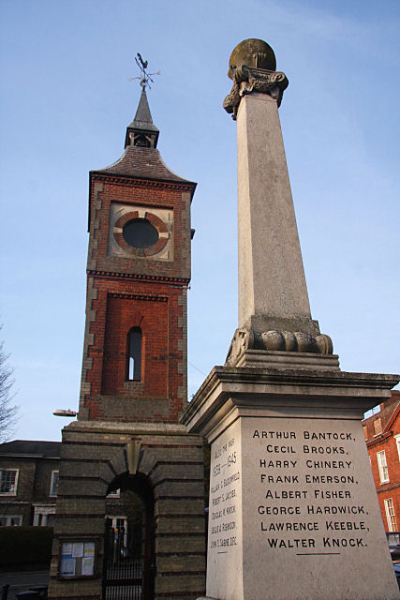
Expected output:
{"points": [[138, 272], [130, 508]]}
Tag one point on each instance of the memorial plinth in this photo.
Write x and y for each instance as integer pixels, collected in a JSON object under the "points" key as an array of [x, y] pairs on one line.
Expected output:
{"points": [[293, 511]]}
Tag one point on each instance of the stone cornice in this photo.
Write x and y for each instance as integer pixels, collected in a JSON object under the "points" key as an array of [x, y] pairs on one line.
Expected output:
{"points": [[144, 182], [226, 387], [181, 282], [136, 428], [144, 297], [379, 439]]}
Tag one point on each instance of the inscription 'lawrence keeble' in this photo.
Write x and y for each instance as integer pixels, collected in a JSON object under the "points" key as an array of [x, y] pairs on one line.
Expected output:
{"points": [[307, 491]]}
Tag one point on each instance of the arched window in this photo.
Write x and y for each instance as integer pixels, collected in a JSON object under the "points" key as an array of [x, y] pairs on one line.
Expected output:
{"points": [[134, 354]]}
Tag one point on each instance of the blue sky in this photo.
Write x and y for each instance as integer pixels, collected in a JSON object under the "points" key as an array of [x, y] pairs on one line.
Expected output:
{"points": [[66, 100]]}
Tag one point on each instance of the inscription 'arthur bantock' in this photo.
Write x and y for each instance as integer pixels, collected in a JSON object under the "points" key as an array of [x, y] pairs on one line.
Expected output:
{"points": [[307, 491]]}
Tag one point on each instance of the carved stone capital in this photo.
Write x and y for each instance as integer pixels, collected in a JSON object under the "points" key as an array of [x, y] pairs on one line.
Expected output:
{"points": [[277, 341], [247, 80]]}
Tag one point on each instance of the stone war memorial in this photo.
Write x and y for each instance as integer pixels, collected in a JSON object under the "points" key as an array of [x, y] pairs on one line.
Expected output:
{"points": [[293, 512]]}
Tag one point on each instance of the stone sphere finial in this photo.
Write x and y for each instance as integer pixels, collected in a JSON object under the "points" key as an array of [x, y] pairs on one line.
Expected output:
{"points": [[252, 68], [251, 53]]}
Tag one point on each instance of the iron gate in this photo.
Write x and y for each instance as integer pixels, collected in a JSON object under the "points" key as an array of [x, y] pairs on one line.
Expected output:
{"points": [[125, 576]]}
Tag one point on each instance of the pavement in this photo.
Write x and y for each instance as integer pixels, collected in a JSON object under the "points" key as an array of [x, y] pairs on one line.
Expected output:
{"points": [[20, 581]]}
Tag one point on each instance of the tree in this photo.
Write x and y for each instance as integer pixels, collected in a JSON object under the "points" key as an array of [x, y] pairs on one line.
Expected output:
{"points": [[8, 412]]}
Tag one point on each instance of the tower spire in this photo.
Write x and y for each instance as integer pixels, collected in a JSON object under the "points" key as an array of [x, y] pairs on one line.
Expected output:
{"points": [[141, 131]]}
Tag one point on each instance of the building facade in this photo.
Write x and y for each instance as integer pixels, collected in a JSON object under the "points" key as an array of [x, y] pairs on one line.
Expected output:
{"points": [[29, 471], [133, 392], [382, 435], [28, 482]]}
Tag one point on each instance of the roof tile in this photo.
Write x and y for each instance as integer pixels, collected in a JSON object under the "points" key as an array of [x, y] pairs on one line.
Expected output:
{"points": [[142, 162]]}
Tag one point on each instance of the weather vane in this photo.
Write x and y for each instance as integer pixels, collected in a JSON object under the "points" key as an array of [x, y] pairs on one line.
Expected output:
{"points": [[145, 77]]}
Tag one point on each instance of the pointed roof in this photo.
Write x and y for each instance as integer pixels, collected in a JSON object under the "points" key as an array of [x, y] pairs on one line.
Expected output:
{"points": [[142, 131], [141, 158], [143, 119]]}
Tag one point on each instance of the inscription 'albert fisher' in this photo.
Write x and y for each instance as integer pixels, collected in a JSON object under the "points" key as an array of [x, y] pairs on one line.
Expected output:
{"points": [[326, 451]]}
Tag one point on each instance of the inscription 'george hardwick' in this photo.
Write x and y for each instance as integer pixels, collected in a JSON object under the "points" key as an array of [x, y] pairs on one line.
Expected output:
{"points": [[295, 477], [306, 484]]}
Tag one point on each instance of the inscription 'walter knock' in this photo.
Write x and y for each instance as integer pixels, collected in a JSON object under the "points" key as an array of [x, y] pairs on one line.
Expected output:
{"points": [[307, 490], [298, 488]]}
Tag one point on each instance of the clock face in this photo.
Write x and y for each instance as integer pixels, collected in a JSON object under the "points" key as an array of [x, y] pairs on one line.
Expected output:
{"points": [[140, 233]]}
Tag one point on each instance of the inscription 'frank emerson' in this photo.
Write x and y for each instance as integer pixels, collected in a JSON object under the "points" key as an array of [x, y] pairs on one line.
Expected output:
{"points": [[315, 467]]}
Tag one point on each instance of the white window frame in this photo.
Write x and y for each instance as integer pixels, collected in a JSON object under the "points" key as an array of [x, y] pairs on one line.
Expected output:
{"points": [[8, 520], [390, 514], [397, 440], [41, 514], [13, 491], [115, 518], [52, 492], [382, 466], [114, 525]]}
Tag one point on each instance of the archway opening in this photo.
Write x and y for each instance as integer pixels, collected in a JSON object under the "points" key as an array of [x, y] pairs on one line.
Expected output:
{"points": [[129, 539]]}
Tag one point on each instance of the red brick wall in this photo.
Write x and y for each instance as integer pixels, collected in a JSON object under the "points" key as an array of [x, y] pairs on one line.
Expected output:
{"points": [[136, 292], [390, 418], [151, 316], [144, 193]]}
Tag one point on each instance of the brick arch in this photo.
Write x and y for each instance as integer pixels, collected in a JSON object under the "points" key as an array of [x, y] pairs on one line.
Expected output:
{"points": [[172, 465], [118, 464], [147, 460]]}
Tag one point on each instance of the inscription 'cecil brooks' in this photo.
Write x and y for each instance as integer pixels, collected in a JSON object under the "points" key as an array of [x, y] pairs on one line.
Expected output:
{"points": [[296, 491]]}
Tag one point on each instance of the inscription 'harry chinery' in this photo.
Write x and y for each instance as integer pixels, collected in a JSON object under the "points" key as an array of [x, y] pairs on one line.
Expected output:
{"points": [[320, 459]]}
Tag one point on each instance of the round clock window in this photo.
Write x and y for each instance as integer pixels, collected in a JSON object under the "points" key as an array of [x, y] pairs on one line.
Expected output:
{"points": [[140, 233]]}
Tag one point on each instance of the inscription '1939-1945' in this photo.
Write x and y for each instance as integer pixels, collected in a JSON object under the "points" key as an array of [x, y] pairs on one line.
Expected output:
{"points": [[225, 478]]}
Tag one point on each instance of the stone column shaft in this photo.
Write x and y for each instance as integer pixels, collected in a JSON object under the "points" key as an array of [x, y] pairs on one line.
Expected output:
{"points": [[272, 283]]}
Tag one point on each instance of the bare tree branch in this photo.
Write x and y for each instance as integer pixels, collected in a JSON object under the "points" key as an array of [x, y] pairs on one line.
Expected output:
{"points": [[8, 411]]}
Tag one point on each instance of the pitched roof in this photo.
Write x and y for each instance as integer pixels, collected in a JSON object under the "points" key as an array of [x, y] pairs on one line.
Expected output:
{"points": [[395, 412], [137, 161], [379, 426], [31, 447]]}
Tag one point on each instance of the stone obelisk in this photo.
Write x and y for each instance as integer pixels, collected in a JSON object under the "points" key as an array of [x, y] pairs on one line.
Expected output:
{"points": [[274, 310], [293, 512]]}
